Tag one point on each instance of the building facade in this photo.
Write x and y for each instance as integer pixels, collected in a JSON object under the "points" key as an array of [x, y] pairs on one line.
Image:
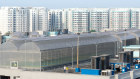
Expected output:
{"points": [[119, 19], [38, 19], [14, 19], [19, 19], [4, 19], [99, 19], [79, 20], [55, 20], [135, 18], [76, 20]]}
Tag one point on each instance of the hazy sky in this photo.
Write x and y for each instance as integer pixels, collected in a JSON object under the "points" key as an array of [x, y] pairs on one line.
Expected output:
{"points": [[73, 3]]}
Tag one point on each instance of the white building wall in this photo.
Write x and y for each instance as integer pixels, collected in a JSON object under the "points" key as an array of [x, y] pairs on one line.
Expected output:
{"points": [[76, 20], [135, 18], [4, 20], [38, 19], [119, 18], [14, 19], [69, 21], [99, 19], [21, 20], [65, 18], [79, 20], [55, 19]]}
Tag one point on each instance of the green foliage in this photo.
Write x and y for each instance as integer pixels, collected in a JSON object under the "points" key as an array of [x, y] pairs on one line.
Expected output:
{"points": [[93, 31], [7, 33]]}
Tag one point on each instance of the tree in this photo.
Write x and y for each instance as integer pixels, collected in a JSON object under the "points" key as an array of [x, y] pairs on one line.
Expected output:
{"points": [[7, 33], [93, 31]]}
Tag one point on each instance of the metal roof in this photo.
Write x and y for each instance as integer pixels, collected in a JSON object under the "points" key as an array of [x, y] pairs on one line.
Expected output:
{"points": [[71, 40], [63, 41]]}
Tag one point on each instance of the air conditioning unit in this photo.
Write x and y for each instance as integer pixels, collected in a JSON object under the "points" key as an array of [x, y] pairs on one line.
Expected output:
{"points": [[123, 57], [107, 72], [105, 61], [129, 57], [95, 62]]}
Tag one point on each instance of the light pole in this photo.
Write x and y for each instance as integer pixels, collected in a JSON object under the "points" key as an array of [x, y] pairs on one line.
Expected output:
{"points": [[96, 49], [72, 56], [78, 50], [97, 46], [25, 54], [125, 37]]}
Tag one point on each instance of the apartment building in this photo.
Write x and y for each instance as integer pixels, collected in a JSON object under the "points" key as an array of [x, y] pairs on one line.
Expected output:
{"points": [[99, 19], [14, 19], [76, 20], [4, 19], [119, 18], [135, 18], [38, 19], [55, 19], [79, 20]]}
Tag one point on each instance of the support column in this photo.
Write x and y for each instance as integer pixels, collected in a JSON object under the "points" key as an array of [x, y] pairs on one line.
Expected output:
{"points": [[12, 77], [132, 74]]}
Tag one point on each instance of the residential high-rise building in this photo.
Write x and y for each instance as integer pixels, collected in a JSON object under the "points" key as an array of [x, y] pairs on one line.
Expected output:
{"points": [[119, 18], [78, 20], [4, 20], [38, 19], [14, 19], [99, 19], [55, 20], [66, 16], [135, 18]]}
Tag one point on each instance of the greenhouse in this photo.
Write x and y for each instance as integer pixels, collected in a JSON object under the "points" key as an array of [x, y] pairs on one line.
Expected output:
{"points": [[137, 34], [47, 52], [9, 52]]}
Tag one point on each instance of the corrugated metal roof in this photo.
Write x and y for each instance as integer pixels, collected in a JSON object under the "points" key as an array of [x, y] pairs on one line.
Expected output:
{"points": [[62, 41], [71, 40]]}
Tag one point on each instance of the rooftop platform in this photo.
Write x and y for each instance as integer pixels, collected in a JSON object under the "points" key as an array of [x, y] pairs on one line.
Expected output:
{"points": [[132, 47]]}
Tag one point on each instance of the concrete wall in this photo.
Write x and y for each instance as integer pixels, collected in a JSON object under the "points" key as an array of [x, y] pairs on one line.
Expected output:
{"points": [[50, 75], [135, 73], [125, 75], [47, 75]]}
